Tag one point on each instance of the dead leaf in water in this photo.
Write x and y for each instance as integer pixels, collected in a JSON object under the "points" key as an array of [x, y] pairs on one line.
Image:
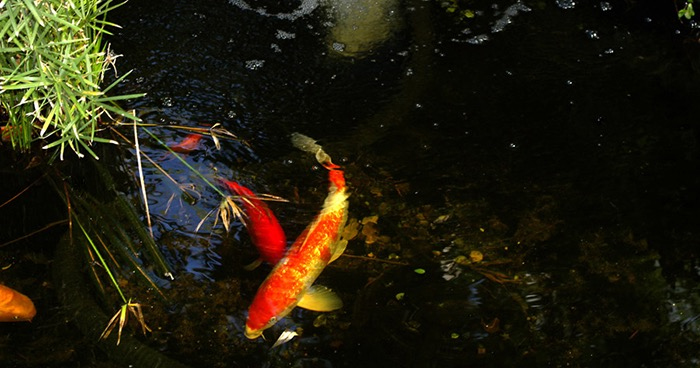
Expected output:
{"points": [[352, 228], [370, 219], [369, 229], [370, 232]]}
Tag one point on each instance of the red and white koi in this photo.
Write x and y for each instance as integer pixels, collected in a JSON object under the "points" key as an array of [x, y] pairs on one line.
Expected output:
{"points": [[290, 284], [265, 231], [15, 306]]}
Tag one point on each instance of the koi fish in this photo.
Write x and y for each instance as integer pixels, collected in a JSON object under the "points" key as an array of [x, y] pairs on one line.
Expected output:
{"points": [[290, 283], [15, 306], [7, 133], [188, 144], [263, 227]]}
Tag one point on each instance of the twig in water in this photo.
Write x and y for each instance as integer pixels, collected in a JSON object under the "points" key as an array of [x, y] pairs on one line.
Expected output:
{"points": [[143, 183]]}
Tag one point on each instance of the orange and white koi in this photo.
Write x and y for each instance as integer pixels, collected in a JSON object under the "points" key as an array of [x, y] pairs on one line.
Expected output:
{"points": [[264, 229], [189, 144], [15, 306], [290, 283]]}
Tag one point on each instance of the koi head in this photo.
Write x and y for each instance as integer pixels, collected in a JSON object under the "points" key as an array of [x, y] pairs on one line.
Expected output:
{"points": [[252, 333], [259, 319], [274, 300]]}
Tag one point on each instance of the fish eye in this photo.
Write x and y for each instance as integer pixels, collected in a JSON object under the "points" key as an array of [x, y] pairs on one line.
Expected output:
{"points": [[272, 321]]}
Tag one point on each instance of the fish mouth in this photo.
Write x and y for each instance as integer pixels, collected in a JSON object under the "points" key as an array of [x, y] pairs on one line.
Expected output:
{"points": [[252, 334]]}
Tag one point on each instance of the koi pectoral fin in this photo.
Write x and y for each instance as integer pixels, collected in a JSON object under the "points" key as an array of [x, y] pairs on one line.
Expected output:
{"points": [[253, 265], [338, 248], [320, 299]]}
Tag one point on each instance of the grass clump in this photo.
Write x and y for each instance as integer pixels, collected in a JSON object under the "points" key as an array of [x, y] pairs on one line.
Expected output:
{"points": [[52, 62]]}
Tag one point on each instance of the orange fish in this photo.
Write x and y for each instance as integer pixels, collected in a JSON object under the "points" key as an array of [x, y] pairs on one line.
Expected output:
{"points": [[263, 227], [15, 306], [10, 133], [189, 144], [290, 283]]}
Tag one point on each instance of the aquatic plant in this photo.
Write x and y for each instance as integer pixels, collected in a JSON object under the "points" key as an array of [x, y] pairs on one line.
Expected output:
{"points": [[458, 9], [52, 63], [687, 11]]}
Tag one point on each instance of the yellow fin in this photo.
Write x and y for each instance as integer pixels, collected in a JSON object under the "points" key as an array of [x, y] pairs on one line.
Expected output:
{"points": [[338, 248], [321, 299], [253, 265]]}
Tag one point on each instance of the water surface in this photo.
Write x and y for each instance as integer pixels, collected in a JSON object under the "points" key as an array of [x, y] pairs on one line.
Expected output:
{"points": [[555, 139]]}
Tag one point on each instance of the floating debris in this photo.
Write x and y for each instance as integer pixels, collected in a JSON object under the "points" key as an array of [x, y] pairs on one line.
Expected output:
{"points": [[476, 256], [286, 336]]}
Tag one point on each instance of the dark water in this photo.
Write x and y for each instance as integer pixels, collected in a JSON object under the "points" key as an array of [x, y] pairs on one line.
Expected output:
{"points": [[557, 139]]}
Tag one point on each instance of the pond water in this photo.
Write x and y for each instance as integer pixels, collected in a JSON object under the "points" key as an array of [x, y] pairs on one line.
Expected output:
{"points": [[524, 181]]}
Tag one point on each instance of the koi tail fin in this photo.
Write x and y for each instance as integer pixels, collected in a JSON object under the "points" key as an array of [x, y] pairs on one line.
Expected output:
{"points": [[308, 144]]}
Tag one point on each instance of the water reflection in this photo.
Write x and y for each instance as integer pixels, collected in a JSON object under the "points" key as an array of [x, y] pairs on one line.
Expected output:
{"points": [[552, 139]]}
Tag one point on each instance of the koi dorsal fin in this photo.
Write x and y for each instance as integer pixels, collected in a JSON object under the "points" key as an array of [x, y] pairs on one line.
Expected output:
{"points": [[320, 299]]}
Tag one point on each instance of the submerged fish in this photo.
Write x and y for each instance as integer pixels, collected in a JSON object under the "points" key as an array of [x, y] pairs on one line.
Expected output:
{"points": [[290, 284], [264, 229], [15, 306], [189, 144]]}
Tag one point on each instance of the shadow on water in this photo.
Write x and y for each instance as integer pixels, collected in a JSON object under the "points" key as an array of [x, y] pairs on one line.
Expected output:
{"points": [[524, 182]]}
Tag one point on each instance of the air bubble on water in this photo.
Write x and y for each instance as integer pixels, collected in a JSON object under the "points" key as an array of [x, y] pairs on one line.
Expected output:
{"points": [[508, 16], [605, 6], [477, 40], [282, 35], [592, 34], [305, 8], [566, 4], [167, 101], [339, 47], [254, 64]]}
